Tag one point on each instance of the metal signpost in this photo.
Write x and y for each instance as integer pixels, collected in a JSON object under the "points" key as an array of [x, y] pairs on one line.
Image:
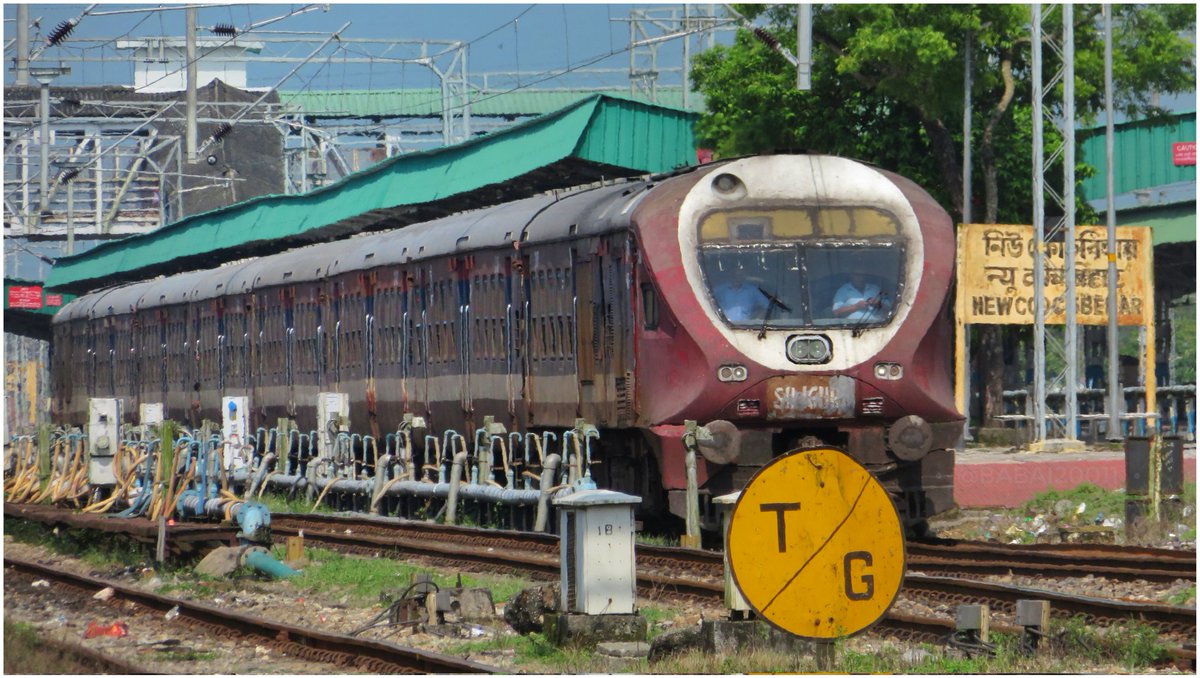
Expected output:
{"points": [[815, 545]]}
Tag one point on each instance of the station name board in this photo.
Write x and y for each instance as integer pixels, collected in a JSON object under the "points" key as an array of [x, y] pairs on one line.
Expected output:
{"points": [[996, 275]]}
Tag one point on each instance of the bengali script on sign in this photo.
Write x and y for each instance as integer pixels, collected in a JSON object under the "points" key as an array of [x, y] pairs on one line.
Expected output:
{"points": [[996, 275]]}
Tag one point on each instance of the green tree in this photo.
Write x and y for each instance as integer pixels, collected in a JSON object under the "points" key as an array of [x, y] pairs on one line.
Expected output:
{"points": [[887, 88]]}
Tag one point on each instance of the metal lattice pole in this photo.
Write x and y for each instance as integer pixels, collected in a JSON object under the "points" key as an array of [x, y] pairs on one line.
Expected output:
{"points": [[1067, 350]]}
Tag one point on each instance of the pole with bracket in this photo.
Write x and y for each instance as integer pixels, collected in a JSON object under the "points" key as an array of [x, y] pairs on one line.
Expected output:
{"points": [[692, 437]]}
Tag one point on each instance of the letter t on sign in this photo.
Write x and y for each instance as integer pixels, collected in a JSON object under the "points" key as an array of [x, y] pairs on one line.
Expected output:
{"points": [[779, 510]]}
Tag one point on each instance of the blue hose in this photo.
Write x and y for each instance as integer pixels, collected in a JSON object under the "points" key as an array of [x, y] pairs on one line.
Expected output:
{"points": [[263, 562]]}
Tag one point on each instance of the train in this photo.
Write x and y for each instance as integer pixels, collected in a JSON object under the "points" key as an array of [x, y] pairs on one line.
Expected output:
{"points": [[780, 301]]}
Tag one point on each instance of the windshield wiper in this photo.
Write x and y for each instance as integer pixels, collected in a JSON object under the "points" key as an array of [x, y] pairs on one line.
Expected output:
{"points": [[773, 301]]}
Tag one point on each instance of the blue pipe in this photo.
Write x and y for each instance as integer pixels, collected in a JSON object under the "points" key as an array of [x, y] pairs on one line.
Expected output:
{"points": [[263, 562]]}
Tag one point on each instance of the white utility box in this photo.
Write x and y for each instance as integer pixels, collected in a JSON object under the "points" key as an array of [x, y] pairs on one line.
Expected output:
{"points": [[150, 414], [235, 426], [104, 439], [333, 416], [733, 597], [598, 566]]}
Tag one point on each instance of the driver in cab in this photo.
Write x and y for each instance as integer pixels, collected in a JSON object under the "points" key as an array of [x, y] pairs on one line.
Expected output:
{"points": [[740, 301], [860, 300]]}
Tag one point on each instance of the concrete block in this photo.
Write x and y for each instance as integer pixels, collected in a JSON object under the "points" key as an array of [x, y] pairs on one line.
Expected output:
{"points": [[1090, 534], [989, 436], [673, 642], [471, 605], [220, 562], [580, 629], [624, 650], [721, 636]]}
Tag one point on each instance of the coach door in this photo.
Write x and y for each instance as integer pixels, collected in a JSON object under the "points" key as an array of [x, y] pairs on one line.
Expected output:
{"points": [[550, 386]]}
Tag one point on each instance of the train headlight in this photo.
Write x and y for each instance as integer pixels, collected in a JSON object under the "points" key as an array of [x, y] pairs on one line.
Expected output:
{"points": [[809, 349], [732, 373], [889, 371]]}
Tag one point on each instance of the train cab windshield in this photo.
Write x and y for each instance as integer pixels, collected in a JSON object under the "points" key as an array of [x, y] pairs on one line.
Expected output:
{"points": [[816, 267]]}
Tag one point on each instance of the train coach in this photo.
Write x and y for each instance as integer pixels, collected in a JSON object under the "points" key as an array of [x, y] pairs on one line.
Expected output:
{"points": [[781, 301]]}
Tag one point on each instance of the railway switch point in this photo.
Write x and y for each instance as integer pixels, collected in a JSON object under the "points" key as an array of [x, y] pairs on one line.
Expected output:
{"points": [[1034, 617]]}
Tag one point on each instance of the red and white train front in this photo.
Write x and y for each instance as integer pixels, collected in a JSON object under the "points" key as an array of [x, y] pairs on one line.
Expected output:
{"points": [[793, 300]]}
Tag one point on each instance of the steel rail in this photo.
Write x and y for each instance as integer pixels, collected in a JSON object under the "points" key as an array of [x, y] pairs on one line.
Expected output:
{"points": [[1004, 597], [942, 556], [310, 644], [1053, 552]]}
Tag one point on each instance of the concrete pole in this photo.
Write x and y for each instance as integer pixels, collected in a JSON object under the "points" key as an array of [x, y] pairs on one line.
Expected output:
{"points": [[1070, 333], [687, 54], [1039, 236], [1115, 399], [804, 46], [191, 85], [44, 142], [965, 363], [22, 45], [70, 217]]}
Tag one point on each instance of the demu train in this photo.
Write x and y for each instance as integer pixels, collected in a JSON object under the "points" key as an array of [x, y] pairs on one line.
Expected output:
{"points": [[780, 300]]}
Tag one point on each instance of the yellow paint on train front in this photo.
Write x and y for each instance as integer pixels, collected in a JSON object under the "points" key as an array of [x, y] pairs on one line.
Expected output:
{"points": [[815, 545]]}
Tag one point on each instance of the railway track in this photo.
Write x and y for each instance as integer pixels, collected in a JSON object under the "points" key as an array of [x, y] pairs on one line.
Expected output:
{"points": [[296, 641], [699, 573], [1125, 563]]}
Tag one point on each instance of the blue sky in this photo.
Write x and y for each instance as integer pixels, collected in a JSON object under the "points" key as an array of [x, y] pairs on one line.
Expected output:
{"points": [[532, 38]]}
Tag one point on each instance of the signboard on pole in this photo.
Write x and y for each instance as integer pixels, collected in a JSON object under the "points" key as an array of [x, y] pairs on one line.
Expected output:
{"points": [[996, 275], [815, 545]]}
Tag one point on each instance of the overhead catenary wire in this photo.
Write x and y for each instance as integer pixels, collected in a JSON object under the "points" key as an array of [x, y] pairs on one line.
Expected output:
{"points": [[170, 105]]}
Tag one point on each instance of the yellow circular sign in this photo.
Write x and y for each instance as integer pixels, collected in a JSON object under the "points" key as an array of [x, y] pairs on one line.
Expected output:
{"points": [[815, 544]]}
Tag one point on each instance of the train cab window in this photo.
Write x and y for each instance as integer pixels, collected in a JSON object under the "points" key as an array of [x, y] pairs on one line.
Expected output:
{"points": [[805, 267], [649, 307]]}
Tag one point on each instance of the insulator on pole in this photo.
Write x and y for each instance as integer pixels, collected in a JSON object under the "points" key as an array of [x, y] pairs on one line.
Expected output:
{"points": [[766, 38], [222, 130], [60, 32]]}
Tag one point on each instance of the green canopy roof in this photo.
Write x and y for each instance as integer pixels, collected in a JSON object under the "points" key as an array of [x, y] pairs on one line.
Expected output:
{"points": [[599, 137], [427, 102]]}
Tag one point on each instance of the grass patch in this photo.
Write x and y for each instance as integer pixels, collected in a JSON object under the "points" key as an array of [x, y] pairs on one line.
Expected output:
{"points": [[98, 549], [1183, 597], [656, 539], [1134, 645], [1111, 503], [25, 653], [364, 580], [655, 615], [280, 503]]}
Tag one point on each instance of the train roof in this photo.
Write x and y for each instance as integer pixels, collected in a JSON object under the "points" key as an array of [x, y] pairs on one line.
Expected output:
{"points": [[542, 218]]}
